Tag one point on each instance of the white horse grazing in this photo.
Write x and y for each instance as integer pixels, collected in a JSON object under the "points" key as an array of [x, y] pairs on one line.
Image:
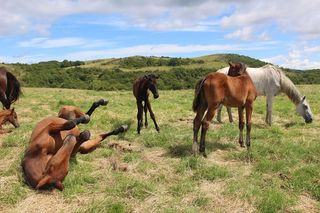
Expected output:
{"points": [[269, 81]]}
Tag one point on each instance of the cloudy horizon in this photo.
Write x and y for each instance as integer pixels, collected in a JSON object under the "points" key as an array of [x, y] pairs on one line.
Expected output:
{"points": [[285, 33]]}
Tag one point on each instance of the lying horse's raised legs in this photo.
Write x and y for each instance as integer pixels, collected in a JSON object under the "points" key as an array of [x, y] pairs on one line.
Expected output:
{"points": [[96, 104], [139, 116], [152, 115], [91, 145]]}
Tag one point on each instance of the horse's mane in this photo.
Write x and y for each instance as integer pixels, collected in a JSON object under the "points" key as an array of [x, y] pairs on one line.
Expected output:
{"points": [[288, 87], [13, 88]]}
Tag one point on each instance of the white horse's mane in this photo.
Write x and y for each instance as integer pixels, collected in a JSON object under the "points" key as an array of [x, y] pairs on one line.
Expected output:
{"points": [[287, 86]]}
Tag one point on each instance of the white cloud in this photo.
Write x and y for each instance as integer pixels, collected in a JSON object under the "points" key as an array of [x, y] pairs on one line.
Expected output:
{"points": [[244, 34], [43, 42]]}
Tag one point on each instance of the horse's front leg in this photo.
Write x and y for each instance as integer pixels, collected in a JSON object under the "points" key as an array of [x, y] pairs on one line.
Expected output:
{"points": [[269, 109], [230, 114], [152, 115], [145, 108], [248, 123], [241, 125], [205, 126], [139, 116], [4, 100]]}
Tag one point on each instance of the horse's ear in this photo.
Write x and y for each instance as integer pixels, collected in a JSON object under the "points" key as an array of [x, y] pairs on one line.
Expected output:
{"points": [[156, 76], [146, 76], [304, 98], [230, 64], [12, 110]]}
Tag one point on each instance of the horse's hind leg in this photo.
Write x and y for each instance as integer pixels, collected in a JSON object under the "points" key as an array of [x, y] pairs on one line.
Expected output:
{"points": [[152, 115], [68, 124], [196, 126], [205, 126], [241, 125], [58, 166], [4, 100], [269, 110], [145, 108], [219, 113], [230, 114], [248, 123]]}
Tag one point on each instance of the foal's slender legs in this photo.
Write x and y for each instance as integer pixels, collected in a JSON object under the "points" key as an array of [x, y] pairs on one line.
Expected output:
{"points": [[139, 115], [196, 126], [248, 122], [205, 125], [230, 114], [68, 124], [95, 105], [241, 125], [145, 108], [152, 115]]}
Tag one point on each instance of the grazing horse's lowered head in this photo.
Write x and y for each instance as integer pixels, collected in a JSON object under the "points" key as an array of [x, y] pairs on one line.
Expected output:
{"points": [[9, 115], [304, 110], [151, 84]]}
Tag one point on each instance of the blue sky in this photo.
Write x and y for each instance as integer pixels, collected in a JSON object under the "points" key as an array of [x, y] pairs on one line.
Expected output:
{"points": [[282, 32]]}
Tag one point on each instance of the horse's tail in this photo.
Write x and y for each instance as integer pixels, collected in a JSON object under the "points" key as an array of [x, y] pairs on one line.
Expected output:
{"points": [[13, 88], [198, 95]]}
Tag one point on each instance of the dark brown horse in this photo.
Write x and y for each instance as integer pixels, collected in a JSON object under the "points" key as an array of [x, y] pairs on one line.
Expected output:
{"points": [[215, 89], [10, 88], [140, 90], [53, 141], [8, 115]]}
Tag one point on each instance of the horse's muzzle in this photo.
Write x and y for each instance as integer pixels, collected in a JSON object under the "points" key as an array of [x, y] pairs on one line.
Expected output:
{"points": [[156, 96], [16, 125], [308, 120]]}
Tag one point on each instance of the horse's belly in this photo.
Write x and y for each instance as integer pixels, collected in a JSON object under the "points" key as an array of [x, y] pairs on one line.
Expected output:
{"points": [[231, 102]]}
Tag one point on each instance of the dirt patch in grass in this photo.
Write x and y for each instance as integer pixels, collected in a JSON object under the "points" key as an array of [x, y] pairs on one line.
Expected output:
{"points": [[214, 191], [306, 204]]}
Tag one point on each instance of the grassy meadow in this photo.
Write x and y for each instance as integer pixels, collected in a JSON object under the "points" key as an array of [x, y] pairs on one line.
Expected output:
{"points": [[157, 172]]}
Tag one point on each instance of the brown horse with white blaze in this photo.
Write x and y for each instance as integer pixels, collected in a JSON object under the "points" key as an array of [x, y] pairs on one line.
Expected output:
{"points": [[215, 89], [140, 90]]}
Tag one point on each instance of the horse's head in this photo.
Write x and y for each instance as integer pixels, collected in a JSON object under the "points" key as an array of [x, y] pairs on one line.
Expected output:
{"points": [[304, 110], [13, 118], [236, 69], [152, 84]]}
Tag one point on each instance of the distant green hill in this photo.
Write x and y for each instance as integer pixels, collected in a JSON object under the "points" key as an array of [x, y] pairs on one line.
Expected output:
{"points": [[119, 73]]}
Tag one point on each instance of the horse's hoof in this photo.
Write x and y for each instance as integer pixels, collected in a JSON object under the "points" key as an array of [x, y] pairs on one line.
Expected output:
{"points": [[103, 102], [204, 154], [124, 128], [85, 135], [85, 119]]}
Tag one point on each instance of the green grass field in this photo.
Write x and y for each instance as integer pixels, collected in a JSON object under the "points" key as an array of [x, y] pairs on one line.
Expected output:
{"points": [[162, 175]]}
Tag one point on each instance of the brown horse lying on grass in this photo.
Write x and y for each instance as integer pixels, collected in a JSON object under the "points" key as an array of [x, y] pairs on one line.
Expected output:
{"points": [[140, 91], [215, 89], [53, 141], [8, 115]]}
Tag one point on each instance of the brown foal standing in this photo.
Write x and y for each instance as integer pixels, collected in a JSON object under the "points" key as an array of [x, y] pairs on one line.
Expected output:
{"points": [[53, 141], [140, 90], [215, 89]]}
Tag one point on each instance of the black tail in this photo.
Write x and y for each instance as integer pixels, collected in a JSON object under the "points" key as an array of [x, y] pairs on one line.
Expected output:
{"points": [[13, 88], [197, 94]]}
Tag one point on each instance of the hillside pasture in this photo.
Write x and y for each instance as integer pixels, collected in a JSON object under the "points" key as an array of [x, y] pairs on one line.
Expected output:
{"points": [[156, 172]]}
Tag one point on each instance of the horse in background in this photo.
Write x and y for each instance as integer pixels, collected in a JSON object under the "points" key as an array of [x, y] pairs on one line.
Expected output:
{"points": [[216, 89], [8, 116], [269, 81], [10, 88], [141, 86]]}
